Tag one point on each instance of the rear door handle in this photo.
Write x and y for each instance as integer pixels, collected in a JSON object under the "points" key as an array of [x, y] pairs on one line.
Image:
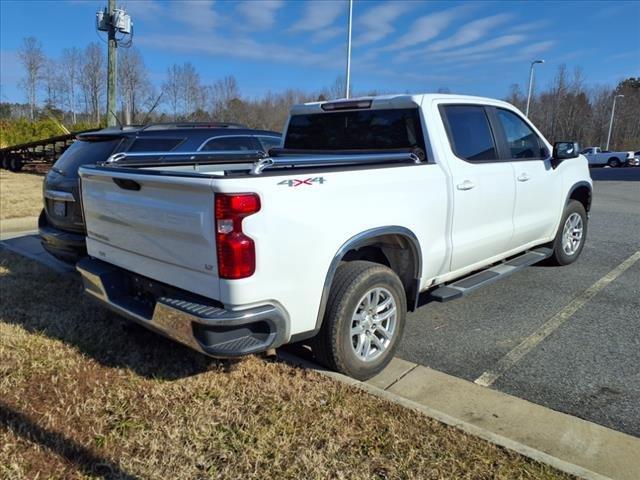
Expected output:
{"points": [[466, 185], [523, 177]]}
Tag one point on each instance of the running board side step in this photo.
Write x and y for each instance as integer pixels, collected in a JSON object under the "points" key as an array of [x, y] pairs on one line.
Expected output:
{"points": [[473, 282]]}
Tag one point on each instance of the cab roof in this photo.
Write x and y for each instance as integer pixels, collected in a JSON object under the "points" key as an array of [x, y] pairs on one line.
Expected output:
{"points": [[401, 100]]}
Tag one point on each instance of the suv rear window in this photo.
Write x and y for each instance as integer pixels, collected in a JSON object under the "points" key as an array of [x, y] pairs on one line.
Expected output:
{"points": [[356, 130], [83, 152], [154, 144]]}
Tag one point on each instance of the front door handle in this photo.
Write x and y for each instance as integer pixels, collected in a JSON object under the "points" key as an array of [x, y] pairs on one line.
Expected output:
{"points": [[466, 185], [523, 177]]}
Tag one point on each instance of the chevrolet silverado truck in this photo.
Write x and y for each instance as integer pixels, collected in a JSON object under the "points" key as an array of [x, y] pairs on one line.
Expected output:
{"points": [[370, 204]]}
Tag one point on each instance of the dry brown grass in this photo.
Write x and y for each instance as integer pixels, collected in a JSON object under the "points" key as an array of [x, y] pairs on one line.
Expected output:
{"points": [[84, 395], [20, 194]]}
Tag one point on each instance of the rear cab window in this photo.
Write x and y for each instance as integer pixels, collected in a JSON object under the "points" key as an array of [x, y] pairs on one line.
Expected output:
{"points": [[469, 132], [377, 129]]}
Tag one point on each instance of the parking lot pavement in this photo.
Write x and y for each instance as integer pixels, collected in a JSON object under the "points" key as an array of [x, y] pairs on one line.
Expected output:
{"points": [[587, 366]]}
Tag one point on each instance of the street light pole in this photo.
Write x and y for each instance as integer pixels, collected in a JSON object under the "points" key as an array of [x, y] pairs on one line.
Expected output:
{"points": [[613, 111], [348, 82], [531, 85]]}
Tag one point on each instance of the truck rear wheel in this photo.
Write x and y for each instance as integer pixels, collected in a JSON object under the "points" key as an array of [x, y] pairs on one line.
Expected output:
{"points": [[364, 320], [571, 235]]}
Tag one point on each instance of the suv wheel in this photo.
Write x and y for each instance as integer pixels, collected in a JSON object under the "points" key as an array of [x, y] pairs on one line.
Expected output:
{"points": [[364, 320], [571, 235]]}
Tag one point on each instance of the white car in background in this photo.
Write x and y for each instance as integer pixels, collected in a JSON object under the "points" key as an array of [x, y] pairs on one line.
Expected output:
{"points": [[597, 157]]}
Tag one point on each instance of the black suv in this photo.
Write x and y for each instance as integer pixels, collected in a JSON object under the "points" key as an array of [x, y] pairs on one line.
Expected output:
{"points": [[62, 229]]}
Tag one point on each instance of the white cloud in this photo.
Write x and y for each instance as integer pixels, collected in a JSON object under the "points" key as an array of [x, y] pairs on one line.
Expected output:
{"points": [[492, 46], [538, 47], [376, 22], [327, 34], [428, 27], [260, 13], [470, 32], [147, 10], [197, 14], [194, 14], [240, 47], [319, 15]]}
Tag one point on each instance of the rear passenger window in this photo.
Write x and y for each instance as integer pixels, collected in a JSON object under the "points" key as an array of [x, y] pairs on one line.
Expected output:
{"points": [[154, 144], [522, 141], [469, 132], [231, 144]]}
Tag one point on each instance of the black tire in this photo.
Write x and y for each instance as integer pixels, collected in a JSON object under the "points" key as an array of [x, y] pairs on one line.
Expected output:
{"points": [[614, 162], [333, 345], [15, 164], [560, 256]]}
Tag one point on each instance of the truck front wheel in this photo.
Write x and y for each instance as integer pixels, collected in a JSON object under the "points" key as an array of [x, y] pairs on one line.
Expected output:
{"points": [[364, 320], [571, 235]]}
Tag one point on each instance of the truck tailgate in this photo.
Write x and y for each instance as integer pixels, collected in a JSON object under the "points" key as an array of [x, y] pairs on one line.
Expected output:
{"points": [[156, 225]]}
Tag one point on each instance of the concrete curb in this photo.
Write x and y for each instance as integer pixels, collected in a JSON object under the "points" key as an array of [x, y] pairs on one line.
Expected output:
{"points": [[424, 407]]}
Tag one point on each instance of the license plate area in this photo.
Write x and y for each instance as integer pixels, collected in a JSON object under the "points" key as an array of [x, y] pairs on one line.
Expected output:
{"points": [[59, 208]]}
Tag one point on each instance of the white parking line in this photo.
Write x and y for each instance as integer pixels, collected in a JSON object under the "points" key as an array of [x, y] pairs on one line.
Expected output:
{"points": [[529, 343]]}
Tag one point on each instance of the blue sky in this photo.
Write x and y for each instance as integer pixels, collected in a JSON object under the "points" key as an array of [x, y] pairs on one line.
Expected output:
{"points": [[417, 46]]}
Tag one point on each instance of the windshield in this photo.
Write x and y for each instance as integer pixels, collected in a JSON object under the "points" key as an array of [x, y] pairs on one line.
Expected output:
{"points": [[356, 130], [82, 152]]}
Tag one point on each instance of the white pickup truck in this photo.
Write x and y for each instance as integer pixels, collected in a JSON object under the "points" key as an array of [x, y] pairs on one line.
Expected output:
{"points": [[370, 204], [596, 157]]}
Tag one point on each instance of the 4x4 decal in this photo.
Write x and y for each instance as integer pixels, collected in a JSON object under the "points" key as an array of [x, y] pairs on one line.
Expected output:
{"points": [[305, 181]]}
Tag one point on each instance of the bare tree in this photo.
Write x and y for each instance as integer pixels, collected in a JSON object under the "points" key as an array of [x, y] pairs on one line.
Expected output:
{"points": [[172, 88], [33, 59], [93, 79], [135, 87], [54, 85], [71, 70]]}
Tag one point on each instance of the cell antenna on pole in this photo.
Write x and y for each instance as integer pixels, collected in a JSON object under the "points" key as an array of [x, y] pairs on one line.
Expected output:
{"points": [[116, 22]]}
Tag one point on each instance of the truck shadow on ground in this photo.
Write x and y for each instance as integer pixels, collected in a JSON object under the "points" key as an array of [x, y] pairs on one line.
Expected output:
{"points": [[87, 461], [46, 303]]}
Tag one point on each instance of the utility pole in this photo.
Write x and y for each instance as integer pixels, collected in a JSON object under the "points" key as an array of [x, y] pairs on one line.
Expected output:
{"points": [[613, 111], [526, 113], [111, 68], [348, 82], [113, 20]]}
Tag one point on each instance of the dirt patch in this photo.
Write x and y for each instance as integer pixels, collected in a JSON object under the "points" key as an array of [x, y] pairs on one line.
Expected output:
{"points": [[20, 194]]}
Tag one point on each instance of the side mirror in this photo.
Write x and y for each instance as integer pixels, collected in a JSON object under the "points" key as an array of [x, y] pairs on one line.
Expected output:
{"points": [[564, 150]]}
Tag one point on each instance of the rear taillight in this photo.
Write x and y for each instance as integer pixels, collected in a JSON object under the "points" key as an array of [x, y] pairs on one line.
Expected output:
{"points": [[236, 251]]}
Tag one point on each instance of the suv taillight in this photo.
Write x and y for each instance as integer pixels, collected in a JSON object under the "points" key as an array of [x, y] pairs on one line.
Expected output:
{"points": [[236, 251]]}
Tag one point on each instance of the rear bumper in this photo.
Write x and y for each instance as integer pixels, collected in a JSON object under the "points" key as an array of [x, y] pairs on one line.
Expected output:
{"points": [[202, 324], [66, 246]]}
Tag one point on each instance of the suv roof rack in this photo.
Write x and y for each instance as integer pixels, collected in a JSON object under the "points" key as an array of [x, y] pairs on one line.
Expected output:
{"points": [[172, 125]]}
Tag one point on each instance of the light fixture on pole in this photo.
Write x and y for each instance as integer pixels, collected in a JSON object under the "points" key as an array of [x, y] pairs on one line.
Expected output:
{"points": [[114, 21], [531, 84], [348, 79], [613, 111]]}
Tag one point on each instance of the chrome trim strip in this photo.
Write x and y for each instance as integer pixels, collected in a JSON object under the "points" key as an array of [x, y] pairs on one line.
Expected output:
{"points": [[58, 195]]}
